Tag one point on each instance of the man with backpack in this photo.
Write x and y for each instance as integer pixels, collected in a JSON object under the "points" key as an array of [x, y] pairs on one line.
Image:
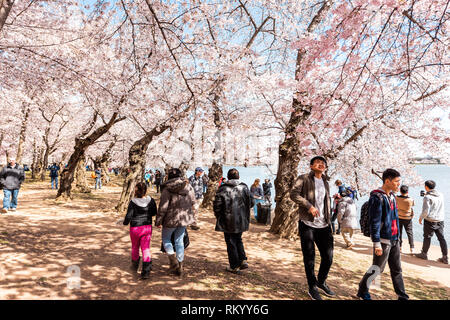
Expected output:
{"points": [[311, 193], [54, 172], [380, 218]]}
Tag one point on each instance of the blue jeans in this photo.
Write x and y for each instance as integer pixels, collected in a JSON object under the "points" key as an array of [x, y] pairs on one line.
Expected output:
{"points": [[179, 244], [98, 182], [54, 182], [9, 203], [255, 208]]}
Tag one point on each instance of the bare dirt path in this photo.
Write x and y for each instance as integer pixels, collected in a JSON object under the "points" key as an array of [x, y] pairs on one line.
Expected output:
{"points": [[45, 239]]}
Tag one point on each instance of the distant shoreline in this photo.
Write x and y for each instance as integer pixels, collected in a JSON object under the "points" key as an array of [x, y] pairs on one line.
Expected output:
{"points": [[428, 163]]}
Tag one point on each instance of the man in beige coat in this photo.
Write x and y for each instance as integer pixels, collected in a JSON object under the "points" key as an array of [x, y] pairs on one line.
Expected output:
{"points": [[312, 194]]}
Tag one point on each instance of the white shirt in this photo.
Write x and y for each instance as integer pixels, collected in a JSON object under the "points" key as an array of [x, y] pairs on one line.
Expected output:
{"points": [[320, 194]]}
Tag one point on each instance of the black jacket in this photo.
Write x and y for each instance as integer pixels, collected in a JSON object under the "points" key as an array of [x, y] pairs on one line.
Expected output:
{"points": [[140, 212], [266, 188], [232, 206]]}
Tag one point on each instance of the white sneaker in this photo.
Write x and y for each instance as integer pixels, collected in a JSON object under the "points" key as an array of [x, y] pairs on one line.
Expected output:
{"points": [[13, 209]]}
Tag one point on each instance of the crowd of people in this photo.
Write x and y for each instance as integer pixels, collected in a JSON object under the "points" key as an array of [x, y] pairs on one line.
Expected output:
{"points": [[387, 215], [311, 192]]}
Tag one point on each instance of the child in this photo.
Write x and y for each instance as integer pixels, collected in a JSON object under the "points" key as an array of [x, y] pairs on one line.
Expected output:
{"points": [[347, 217], [140, 212]]}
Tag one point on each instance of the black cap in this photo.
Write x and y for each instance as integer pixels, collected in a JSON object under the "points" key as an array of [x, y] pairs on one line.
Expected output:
{"points": [[318, 158]]}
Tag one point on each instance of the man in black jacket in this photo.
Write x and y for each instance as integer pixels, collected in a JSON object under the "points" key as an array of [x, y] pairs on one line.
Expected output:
{"points": [[267, 185], [232, 206]]}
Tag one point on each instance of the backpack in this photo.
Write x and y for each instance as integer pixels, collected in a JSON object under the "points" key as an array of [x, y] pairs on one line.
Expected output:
{"points": [[364, 218], [352, 193], [93, 175]]}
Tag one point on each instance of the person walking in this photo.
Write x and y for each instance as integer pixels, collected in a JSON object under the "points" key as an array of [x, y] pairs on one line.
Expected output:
{"points": [[54, 173], [158, 178], [98, 178], [139, 215], [267, 185], [311, 192], [205, 182], [175, 213], [347, 218], [405, 214], [383, 220], [147, 178], [232, 205], [257, 194], [334, 214], [196, 182], [11, 178], [432, 218]]}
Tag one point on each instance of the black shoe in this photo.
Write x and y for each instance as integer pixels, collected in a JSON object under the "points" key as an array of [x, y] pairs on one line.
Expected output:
{"points": [[235, 270], [326, 289], [244, 265], [422, 256], [314, 293], [146, 267], [135, 264], [444, 259], [195, 227], [364, 296]]}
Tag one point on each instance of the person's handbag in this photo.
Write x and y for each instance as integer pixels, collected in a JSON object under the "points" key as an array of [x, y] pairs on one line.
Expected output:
{"points": [[93, 175], [172, 239]]}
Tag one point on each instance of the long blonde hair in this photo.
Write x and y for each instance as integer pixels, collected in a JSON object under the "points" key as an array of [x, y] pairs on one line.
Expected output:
{"points": [[256, 183]]}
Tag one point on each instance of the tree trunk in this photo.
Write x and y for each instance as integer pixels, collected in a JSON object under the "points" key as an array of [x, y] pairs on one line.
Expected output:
{"points": [[5, 8], [285, 222], [216, 171], [36, 168], [22, 135], [105, 173], [184, 166], [214, 174], [103, 162], [34, 163], [136, 159], [81, 144], [80, 177], [45, 163]]}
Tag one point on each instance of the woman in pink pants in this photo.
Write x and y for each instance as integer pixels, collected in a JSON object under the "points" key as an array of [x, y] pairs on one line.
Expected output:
{"points": [[139, 214]]}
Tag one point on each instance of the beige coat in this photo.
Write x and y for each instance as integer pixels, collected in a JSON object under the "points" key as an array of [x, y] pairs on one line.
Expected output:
{"points": [[303, 194], [176, 204], [405, 207]]}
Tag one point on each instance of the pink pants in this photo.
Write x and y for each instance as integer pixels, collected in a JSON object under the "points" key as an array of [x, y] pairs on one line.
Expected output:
{"points": [[140, 238]]}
